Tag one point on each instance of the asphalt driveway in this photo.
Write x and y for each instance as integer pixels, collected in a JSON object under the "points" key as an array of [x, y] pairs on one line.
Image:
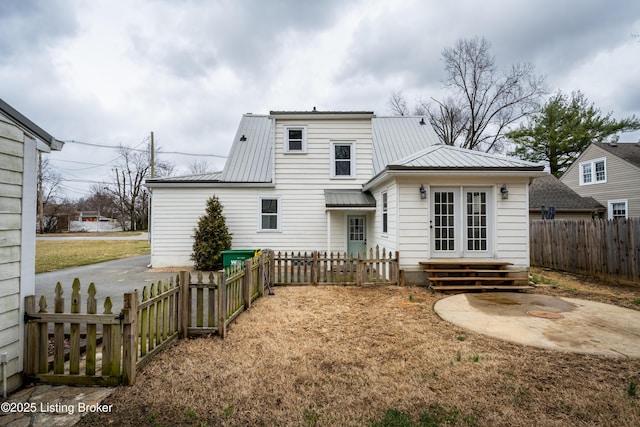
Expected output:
{"points": [[112, 278]]}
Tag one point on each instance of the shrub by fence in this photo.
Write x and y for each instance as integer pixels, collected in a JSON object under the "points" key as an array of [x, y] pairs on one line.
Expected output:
{"points": [[609, 249]]}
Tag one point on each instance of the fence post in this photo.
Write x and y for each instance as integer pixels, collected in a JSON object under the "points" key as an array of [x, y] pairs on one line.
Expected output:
{"points": [[130, 337], [272, 267], [222, 304], [183, 304], [247, 283], [261, 273], [314, 267], [30, 338], [398, 273]]}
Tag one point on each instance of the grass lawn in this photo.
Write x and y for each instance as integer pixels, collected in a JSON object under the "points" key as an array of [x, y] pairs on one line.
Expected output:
{"points": [[52, 255]]}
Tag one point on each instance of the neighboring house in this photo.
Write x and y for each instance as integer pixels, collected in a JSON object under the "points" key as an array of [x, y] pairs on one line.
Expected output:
{"points": [[20, 141], [348, 181], [610, 173], [548, 193]]}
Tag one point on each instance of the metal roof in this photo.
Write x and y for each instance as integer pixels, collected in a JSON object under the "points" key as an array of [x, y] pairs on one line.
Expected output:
{"points": [[449, 157], [203, 177], [395, 138], [348, 199], [250, 159]]}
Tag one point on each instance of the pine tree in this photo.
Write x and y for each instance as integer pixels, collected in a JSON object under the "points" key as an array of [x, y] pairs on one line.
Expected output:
{"points": [[211, 237]]}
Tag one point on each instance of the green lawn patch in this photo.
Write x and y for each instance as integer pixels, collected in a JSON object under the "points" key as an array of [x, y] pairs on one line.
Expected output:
{"points": [[53, 255]]}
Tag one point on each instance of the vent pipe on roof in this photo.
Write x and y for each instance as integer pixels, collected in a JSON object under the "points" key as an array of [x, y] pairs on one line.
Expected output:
{"points": [[422, 122], [243, 138]]}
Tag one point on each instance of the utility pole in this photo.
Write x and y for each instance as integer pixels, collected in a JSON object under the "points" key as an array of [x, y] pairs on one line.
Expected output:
{"points": [[153, 158], [153, 174]]}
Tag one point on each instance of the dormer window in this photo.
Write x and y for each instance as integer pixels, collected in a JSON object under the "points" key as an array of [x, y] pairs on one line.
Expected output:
{"points": [[295, 139]]}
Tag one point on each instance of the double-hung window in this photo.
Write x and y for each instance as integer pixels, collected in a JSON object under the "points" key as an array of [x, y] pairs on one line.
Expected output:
{"points": [[593, 172], [343, 160], [295, 139], [617, 209], [269, 215]]}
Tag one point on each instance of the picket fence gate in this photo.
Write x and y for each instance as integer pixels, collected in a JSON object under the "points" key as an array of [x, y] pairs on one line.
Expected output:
{"points": [[106, 349]]}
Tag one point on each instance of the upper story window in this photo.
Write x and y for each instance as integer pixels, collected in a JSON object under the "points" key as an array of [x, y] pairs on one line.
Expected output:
{"points": [[593, 172], [269, 214], [343, 160], [295, 139]]}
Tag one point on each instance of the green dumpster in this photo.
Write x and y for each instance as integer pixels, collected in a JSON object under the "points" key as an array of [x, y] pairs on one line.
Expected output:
{"points": [[237, 256]]}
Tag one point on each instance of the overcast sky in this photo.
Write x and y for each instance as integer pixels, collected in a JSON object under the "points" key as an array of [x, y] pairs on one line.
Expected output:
{"points": [[110, 72]]}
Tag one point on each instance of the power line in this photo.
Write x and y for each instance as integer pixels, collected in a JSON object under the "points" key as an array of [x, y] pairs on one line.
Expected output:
{"points": [[180, 153]]}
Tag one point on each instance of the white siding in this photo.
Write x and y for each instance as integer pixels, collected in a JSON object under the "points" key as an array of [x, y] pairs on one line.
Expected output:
{"points": [[389, 239], [412, 239], [512, 224], [12, 160], [300, 181]]}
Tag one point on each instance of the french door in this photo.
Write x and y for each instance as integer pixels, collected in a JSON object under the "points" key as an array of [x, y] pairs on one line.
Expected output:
{"points": [[461, 222]]}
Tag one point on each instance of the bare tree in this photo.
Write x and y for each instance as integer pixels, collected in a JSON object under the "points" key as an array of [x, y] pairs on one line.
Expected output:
{"points": [[397, 104], [197, 167], [491, 100], [48, 184], [126, 185], [447, 118], [484, 103]]}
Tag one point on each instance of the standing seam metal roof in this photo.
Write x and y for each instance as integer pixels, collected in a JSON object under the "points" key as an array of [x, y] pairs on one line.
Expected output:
{"points": [[446, 156], [250, 160], [395, 138]]}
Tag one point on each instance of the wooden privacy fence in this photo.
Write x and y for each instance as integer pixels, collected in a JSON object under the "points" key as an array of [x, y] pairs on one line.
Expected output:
{"points": [[313, 268], [609, 249], [107, 349]]}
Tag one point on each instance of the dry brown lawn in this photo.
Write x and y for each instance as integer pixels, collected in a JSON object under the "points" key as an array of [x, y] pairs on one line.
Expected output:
{"points": [[344, 356]]}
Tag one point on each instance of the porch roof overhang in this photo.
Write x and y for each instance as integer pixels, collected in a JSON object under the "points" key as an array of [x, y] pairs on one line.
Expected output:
{"points": [[396, 172], [349, 200]]}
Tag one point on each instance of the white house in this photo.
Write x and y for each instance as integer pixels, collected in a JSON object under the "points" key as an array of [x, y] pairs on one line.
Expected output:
{"points": [[20, 141], [348, 181]]}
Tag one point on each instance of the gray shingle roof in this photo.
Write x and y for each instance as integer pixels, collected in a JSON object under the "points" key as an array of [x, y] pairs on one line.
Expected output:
{"points": [[348, 198], [625, 150], [448, 157], [397, 137], [550, 191]]}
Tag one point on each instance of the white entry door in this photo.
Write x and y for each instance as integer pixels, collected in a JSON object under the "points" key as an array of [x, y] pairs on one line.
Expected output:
{"points": [[461, 222]]}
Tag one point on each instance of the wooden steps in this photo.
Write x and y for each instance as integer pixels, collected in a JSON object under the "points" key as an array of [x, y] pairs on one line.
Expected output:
{"points": [[480, 275]]}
